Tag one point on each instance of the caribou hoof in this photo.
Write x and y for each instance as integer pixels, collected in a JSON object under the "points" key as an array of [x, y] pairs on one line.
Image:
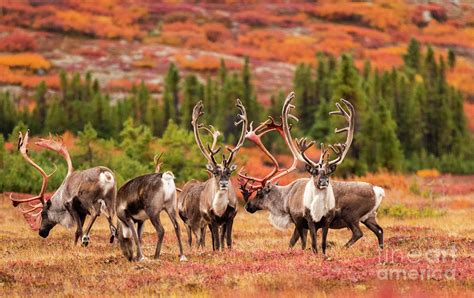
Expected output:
{"points": [[183, 258], [85, 240], [141, 259]]}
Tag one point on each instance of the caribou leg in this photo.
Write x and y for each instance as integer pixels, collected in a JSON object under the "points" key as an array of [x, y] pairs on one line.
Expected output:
{"points": [[77, 218], [372, 224], [356, 233], [140, 226], [190, 236], [294, 238], [223, 233], [215, 236], [160, 232], [230, 224], [86, 238], [172, 217]]}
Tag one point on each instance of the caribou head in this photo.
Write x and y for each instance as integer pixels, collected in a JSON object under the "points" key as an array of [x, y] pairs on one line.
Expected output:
{"points": [[221, 172], [261, 187], [322, 170]]}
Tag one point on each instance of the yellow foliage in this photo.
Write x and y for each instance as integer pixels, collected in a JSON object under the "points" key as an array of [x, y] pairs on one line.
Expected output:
{"points": [[428, 173], [28, 60]]}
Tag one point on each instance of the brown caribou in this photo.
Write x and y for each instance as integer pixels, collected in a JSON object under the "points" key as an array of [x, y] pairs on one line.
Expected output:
{"points": [[316, 202], [213, 202], [142, 198], [87, 192]]}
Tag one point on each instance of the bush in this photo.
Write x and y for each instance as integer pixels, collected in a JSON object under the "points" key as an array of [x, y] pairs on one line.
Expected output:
{"points": [[403, 211]]}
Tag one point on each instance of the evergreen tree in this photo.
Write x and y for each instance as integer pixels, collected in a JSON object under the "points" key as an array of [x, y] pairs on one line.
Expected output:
{"points": [[413, 56], [248, 96], [171, 94], [386, 136], [86, 138], [304, 95], [39, 113], [8, 114], [56, 118], [411, 129], [135, 140], [192, 94], [451, 59]]}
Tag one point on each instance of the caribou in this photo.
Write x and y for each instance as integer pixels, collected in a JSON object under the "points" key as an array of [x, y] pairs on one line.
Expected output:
{"points": [[87, 192], [213, 202], [316, 202], [142, 198]]}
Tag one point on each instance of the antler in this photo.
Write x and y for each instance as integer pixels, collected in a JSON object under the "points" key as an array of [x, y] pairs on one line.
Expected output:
{"points": [[156, 161], [23, 148], [57, 146], [255, 136], [341, 149], [209, 155], [242, 120]]}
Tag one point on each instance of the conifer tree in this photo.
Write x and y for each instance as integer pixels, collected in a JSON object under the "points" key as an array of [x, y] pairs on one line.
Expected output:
{"points": [[8, 114], [191, 95], [413, 56], [451, 59], [135, 140], [171, 94], [248, 96], [56, 118], [303, 93], [86, 138], [39, 113]]}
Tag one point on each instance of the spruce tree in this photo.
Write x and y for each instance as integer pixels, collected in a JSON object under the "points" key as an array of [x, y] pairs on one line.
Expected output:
{"points": [[86, 138], [248, 96], [191, 95], [40, 110], [171, 94], [56, 118], [451, 58], [413, 56], [303, 93]]}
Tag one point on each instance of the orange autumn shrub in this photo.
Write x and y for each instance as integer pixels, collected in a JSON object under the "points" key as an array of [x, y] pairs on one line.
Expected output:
{"points": [[204, 62], [360, 12], [385, 58], [216, 32], [385, 179], [25, 60], [145, 62], [126, 85], [428, 173]]}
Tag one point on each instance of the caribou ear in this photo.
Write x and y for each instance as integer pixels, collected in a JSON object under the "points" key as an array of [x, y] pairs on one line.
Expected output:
{"points": [[233, 168], [210, 168]]}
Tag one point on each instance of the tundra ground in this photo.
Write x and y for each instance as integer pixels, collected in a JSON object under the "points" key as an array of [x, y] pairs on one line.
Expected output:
{"points": [[425, 254]]}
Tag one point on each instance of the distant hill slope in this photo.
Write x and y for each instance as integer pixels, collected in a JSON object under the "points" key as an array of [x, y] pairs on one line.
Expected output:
{"points": [[123, 42]]}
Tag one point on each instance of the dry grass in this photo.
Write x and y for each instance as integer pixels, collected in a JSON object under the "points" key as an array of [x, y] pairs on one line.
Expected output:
{"points": [[261, 264]]}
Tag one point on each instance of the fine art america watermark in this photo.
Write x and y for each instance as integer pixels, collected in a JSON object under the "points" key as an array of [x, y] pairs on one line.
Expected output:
{"points": [[434, 264]]}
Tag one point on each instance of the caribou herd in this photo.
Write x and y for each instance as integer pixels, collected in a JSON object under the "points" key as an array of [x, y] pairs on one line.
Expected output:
{"points": [[307, 203]]}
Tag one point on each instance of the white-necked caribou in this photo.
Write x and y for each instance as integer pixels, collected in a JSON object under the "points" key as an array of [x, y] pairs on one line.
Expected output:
{"points": [[212, 203], [317, 202]]}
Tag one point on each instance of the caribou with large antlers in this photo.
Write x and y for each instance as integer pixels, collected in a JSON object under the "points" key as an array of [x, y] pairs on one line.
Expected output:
{"points": [[88, 192], [213, 202], [316, 202]]}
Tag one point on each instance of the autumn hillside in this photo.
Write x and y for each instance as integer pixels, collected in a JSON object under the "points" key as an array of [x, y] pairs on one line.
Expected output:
{"points": [[124, 42], [123, 77]]}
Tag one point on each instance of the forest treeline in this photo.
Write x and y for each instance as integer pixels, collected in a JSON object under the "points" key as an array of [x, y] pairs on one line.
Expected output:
{"points": [[407, 118]]}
